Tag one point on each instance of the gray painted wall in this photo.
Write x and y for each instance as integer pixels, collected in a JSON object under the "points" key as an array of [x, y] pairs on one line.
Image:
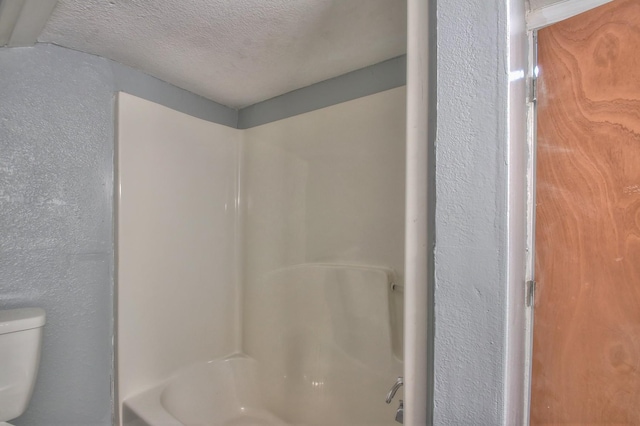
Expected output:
{"points": [[142, 85], [56, 134], [471, 212], [56, 214], [356, 84]]}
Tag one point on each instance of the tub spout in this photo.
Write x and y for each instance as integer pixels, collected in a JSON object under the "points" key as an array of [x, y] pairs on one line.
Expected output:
{"points": [[394, 389]]}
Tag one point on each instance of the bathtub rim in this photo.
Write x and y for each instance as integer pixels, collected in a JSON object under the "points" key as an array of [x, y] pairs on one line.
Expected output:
{"points": [[146, 406]]}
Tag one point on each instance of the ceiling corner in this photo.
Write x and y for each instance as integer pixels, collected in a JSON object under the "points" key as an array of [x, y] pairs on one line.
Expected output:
{"points": [[22, 21]]}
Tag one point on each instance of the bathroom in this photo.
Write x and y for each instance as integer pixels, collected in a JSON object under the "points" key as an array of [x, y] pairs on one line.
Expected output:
{"points": [[59, 214]]}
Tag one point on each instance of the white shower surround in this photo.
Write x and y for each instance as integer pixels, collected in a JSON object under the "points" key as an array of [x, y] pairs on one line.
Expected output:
{"points": [[235, 52], [177, 293], [326, 186]]}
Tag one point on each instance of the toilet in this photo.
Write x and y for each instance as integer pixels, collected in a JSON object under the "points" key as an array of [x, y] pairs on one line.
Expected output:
{"points": [[20, 343]]}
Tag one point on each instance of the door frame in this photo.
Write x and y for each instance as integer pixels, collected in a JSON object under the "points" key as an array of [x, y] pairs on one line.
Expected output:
{"points": [[535, 20], [556, 12]]}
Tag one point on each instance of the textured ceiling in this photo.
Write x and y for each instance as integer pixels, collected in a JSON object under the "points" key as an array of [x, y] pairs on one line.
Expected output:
{"points": [[236, 52]]}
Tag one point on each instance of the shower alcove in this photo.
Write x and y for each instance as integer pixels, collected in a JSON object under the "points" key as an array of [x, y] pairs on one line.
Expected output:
{"points": [[260, 271]]}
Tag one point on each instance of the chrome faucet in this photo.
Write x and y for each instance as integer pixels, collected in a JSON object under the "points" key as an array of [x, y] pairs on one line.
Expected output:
{"points": [[394, 389], [391, 394]]}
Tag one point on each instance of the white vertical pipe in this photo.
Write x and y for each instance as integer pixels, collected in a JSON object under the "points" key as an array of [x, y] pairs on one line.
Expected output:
{"points": [[416, 250]]}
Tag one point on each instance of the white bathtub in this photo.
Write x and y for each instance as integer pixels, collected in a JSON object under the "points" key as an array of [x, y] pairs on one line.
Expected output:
{"points": [[226, 392], [326, 340], [216, 393]]}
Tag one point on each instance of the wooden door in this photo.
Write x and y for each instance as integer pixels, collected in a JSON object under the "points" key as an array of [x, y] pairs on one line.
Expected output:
{"points": [[586, 360]]}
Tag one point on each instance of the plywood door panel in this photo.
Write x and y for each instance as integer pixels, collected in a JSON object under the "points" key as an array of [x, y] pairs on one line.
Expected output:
{"points": [[586, 361]]}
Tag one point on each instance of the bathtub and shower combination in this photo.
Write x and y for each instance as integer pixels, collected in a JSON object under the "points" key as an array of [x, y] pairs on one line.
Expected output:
{"points": [[276, 336], [263, 273]]}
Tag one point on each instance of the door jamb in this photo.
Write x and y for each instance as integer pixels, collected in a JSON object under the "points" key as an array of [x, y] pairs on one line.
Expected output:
{"points": [[556, 12], [530, 185]]}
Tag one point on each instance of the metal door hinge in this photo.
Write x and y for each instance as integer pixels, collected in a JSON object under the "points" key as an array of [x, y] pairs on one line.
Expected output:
{"points": [[533, 90], [534, 70], [530, 293]]}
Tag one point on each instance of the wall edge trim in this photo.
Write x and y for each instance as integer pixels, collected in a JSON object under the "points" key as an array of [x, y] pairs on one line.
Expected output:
{"points": [[362, 82], [554, 13]]}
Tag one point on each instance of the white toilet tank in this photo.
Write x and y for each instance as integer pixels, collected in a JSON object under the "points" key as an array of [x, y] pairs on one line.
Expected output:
{"points": [[20, 343]]}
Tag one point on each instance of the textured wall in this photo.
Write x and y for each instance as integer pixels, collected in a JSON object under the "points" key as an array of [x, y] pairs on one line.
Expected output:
{"points": [[56, 133], [56, 244], [471, 212]]}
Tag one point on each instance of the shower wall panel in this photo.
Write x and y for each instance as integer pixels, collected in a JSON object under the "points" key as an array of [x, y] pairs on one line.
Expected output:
{"points": [[176, 237], [325, 187]]}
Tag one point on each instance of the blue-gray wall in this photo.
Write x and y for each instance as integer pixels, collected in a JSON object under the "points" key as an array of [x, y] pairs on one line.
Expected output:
{"points": [[56, 137], [472, 147], [56, 214], [356, 84]]}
